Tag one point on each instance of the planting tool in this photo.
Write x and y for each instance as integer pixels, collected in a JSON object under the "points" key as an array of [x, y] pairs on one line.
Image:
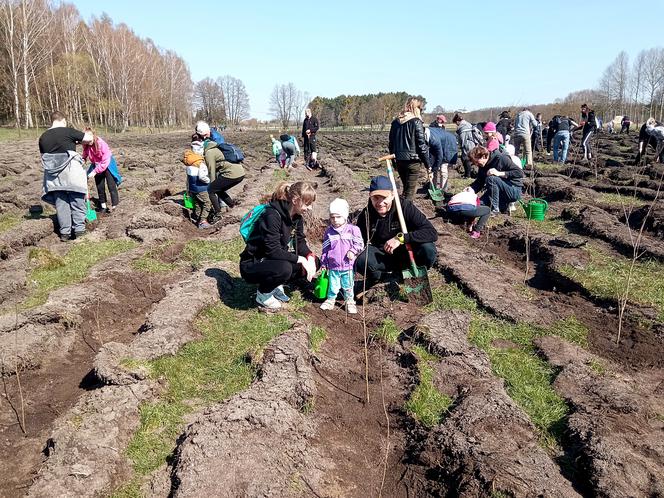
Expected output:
{"points": [[415, 278], [436, 194]]}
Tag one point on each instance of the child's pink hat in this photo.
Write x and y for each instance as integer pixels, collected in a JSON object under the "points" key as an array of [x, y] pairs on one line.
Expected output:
{"points": [[489, 127]]}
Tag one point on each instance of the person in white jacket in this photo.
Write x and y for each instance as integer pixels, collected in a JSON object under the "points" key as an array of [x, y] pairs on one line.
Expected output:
{"points": [[465, 207]]}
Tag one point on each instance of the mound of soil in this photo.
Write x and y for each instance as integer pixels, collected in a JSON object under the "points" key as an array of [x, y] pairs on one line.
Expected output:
{"points": [[258, 442], [486, 444], [616, 430]]}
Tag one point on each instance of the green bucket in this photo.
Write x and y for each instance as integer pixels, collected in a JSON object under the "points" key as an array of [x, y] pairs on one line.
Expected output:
{"points": [[188, 201], [535, 209]]}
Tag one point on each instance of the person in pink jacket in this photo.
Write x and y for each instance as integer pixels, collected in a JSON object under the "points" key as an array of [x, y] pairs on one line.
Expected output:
{"points": [[104, 169], [493, 138], [342, 243]]}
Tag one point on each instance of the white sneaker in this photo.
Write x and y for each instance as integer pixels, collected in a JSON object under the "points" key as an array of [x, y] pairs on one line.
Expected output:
{"points": [[280, 294], [268, 301], [327, 305], [351, 307], [511, 208]]}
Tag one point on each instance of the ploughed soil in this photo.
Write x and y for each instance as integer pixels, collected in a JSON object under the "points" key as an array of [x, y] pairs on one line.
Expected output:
{"points": [[332, 422]]}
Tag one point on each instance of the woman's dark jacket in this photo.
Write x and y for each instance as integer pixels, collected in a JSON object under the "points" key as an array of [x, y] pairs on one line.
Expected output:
{"points": [[271, 237], [407, 141]]}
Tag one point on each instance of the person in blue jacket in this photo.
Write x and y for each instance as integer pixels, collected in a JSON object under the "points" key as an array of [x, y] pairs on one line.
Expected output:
{"points": [[443, 152]]}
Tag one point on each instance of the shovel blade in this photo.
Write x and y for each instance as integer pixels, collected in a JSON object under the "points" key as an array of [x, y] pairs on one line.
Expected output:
{"points": [[436, 194], [416, 285]]}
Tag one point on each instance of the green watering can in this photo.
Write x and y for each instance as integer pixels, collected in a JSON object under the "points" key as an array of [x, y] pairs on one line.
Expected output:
{"points": [[187, 201], [90, 213], [321, 284], [535, 209]]}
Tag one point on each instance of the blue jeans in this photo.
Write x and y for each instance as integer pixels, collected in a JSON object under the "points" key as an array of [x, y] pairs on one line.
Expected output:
{"points": [[560, 136], [499, 193], [340, 279]]}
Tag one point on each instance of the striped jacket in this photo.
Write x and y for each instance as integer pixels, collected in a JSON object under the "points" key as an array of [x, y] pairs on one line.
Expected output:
{"points": [[336, 244]]}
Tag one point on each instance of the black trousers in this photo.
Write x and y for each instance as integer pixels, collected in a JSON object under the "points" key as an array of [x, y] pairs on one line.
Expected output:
{"points": [[409, 172], [467, 168], [379, 262], [218, 188], [549, 138], [269, 273], [309, 145], [101, 180]]}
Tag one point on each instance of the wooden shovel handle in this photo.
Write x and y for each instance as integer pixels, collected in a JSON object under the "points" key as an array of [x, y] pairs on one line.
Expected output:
{"points": [[385, 158]]}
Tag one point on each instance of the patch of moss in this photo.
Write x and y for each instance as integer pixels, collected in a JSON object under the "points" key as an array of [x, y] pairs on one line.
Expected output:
{"points": [[52, 272]]}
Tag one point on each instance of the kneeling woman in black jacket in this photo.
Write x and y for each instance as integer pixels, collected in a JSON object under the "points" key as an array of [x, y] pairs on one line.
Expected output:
{"points": [[277, 250]]}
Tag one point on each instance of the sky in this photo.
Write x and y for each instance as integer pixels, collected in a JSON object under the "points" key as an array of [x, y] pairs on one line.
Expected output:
{"points": [[458, 54]]}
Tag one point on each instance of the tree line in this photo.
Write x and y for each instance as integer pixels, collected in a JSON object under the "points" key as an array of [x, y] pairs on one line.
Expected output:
{"points": [[96, 72]]}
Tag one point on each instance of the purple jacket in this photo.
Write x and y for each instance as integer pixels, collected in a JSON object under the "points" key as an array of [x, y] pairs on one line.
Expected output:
{"points": [[336, 244]]}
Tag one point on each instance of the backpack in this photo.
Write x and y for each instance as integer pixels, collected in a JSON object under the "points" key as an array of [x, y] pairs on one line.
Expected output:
{"points": [[249, 220], [232, 153], [477, 136], [215, 136]]}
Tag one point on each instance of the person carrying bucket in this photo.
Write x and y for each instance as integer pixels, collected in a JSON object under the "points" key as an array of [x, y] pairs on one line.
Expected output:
{"points": [[384, 242]]}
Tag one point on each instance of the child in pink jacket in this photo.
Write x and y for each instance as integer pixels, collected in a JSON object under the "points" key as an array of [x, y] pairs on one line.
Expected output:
{"points": [[104, 168], [342, 243]]}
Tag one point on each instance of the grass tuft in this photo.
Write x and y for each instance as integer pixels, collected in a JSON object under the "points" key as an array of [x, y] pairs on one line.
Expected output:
{"points": [[201, 251], [427, 404], [450, 297], [9, 221], [317, 336], [605, 276], [615, 199], [150, 262], [388, 332], [52, 272]]}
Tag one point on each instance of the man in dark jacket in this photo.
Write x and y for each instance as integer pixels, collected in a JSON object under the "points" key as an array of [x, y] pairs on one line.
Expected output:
{"points": [[625, 124], [499, 176], [408, 143], [443, 152], [381, 231], [589, 128], [504, 125], [309, 129]]}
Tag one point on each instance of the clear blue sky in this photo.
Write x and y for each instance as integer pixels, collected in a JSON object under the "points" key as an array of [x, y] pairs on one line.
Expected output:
{"points": [[459, 54]]}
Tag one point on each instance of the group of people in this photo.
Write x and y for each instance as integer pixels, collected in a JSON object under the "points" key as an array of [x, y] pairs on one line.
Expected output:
{"points": [[66, 178], [277, 251], [210, 176]]}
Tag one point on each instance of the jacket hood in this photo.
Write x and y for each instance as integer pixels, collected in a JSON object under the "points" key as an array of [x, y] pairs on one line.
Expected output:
{"points": [[405, 117], [464, 126], [54, 163], [209, 144], [283, 208]]}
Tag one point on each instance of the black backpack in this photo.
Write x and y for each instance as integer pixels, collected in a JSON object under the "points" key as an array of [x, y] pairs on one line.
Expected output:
{"points": [[232, 153]]}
